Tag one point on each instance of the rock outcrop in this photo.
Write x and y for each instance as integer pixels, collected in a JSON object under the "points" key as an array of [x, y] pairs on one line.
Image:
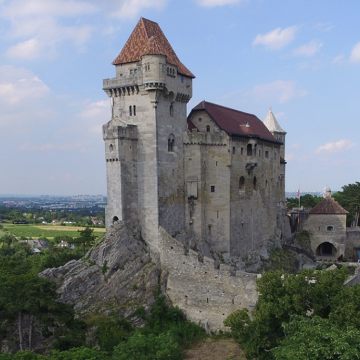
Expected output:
{"points": [[117, 276]]}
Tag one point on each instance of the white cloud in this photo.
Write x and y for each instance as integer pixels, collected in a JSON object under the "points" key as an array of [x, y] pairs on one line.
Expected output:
{"points": [[332, 147], [96, 114], [309, 49], [212, 3], [29, 8], [125, 9], [29, 49], [338, 59], [295, 146], [289, 157], [280, 115], [280, 89], [28, 146], [41, 25], [324, 26], [355, 53], [18, 85], [277, 38]]}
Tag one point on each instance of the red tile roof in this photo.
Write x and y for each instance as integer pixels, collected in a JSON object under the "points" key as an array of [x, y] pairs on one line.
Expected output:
{"points": [[328, 206], [235, 122], [191, 126], [148, 39]]}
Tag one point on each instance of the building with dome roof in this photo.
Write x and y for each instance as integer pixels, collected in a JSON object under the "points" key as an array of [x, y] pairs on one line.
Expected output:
{"points": [[218, 173]]}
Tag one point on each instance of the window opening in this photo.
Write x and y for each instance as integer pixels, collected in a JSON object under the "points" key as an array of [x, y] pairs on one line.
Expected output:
{"points": [[171, 110], [207, 128], [234, 149], [330, 228], [242, 183], [134, 110], [171, 145], [212, 188], [249, 150], [266, 154], [242, 151], [130, 110], [254, 183], [115, 218]]}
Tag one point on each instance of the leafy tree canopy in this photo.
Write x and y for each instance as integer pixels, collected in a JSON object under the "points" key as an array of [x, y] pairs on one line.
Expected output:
{"points": [[308, 293]]}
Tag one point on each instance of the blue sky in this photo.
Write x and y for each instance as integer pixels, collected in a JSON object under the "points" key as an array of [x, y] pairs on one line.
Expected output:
{"points": [[300, 57]]}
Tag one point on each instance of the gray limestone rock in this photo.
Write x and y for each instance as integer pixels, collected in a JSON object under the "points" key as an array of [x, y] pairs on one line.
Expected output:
{"points": [[117, 277]]}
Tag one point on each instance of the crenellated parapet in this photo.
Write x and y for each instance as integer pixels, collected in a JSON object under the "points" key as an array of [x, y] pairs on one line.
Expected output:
{"points": [[183, 98], [205, 138], [113, 131]]}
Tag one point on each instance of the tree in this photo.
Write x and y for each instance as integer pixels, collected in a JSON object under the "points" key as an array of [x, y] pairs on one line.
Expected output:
{"points": [[281, 297], [86, 238], [149, 347], [317, 339], [349, 199]]}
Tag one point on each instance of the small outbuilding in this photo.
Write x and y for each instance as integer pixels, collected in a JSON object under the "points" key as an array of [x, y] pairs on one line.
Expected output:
{"points": [[327, 227]]}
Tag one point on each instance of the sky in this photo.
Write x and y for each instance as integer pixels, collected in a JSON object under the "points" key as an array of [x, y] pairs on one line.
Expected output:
{"points": [[300, 57]]}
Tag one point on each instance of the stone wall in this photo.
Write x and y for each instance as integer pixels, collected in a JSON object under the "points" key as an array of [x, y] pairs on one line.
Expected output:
{"points": [[318, 225], [352, 240], [204, 293]]}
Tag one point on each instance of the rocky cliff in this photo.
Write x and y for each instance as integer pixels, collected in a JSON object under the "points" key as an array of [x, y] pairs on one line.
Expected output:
{"points": [[117, 275]]}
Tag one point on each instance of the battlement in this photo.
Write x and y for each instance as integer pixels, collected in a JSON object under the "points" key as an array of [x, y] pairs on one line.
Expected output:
{"points": [[205, 138], [114, 131], [202, 291]]}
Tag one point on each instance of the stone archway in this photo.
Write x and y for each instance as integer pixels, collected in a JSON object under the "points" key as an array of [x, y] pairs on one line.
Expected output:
{"points": [[326, 249]]}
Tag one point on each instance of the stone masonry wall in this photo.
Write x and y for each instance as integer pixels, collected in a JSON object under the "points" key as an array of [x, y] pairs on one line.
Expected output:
{"points": [[205, 294], [317, 225], [352, 240]]}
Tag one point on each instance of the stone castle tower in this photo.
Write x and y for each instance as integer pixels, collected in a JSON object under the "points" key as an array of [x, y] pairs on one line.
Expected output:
{"points": [[219, 174], [143, 140]]}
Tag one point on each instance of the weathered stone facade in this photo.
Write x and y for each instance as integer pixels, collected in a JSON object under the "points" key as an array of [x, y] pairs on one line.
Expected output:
{"points": [[223, 186], [326, 224], [217, 176]]}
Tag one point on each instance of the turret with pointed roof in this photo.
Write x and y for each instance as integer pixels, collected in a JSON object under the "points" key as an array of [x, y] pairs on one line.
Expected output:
{"points": [[148, 39]]}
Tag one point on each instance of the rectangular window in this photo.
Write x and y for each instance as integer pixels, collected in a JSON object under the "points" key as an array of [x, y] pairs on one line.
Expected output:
{"points": [[275, 155], [259, 153], [242, 151], [266, 154], [182, 79], [212, 188], [234, 149]]}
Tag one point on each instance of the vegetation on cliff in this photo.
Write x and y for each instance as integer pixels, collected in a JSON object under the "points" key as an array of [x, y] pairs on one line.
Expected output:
{"points": [[310, 315]]}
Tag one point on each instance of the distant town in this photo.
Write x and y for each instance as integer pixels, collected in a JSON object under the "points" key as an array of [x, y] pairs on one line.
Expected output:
{"points": [[51, 202]]}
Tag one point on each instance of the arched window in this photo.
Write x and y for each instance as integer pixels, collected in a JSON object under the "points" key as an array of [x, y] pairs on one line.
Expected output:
{"points": [[330, 228], [115, 218], [254, 183], [130, 110], [171, 110], [242, 183], [134, 110], [249, 150], [111, 148], [207, 128], [171, 143]]}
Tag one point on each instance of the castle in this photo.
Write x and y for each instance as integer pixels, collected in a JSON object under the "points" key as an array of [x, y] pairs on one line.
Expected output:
{"points": [[218, 174]]}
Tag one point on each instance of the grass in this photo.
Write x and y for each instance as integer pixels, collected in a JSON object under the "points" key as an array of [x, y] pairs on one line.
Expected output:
{"points": [[48, 231], [212, 349]]}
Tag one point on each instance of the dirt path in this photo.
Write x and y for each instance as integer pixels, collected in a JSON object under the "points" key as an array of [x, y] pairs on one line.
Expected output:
{"points": [[211, 349]]}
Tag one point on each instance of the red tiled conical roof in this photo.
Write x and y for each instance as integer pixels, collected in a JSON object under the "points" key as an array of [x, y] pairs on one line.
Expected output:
{"points": [[328, 206], [235, 122], [148, 39]]}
